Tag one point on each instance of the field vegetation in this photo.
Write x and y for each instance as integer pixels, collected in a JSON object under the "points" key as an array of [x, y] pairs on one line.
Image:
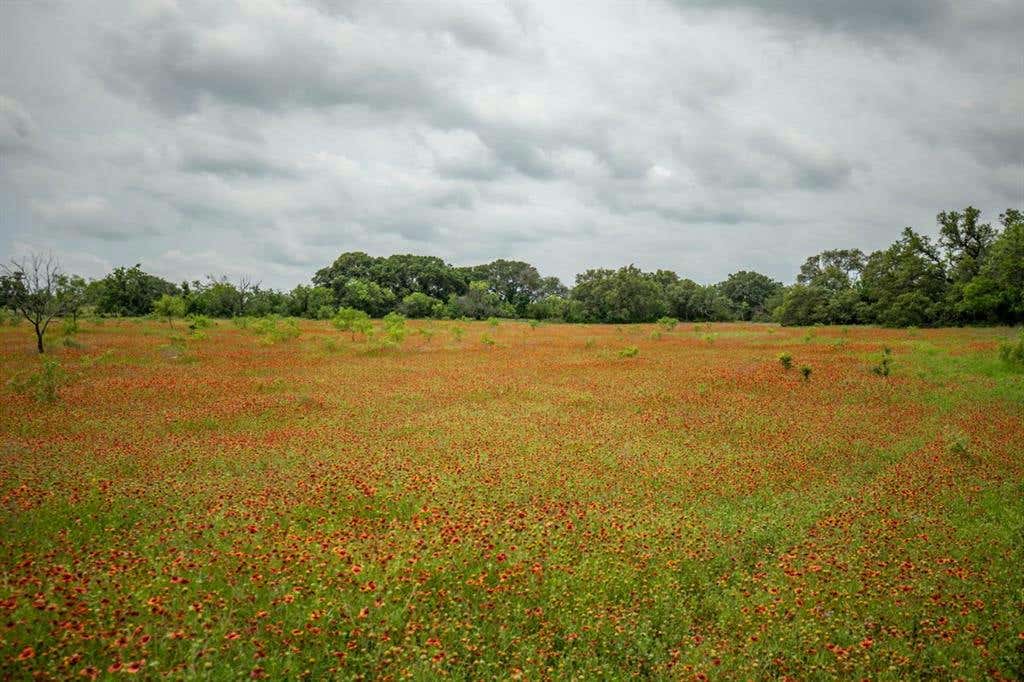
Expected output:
{"points": [[416, 499]]}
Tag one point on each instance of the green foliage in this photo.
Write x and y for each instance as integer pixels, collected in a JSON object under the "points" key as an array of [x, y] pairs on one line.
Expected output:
{"points": [[805, 372], [623, 295], [667, 323], [690, 301], [748, 293], [457, 333], [487, 340], [534, 324], [786, 360], [493, 321], [1012, 353], [419, 305], [130, 292], [44, 383], [884, 366], [629, 352], [353, 321], [395, 330], [169, 307], [273, 329], [368, 296]]}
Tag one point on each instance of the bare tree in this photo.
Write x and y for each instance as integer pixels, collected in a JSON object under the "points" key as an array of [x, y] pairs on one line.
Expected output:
{"points": [[247, 289], [37, 288]]}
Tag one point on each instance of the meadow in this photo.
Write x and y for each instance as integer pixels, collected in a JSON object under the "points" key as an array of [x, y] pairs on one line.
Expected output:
{"points": [[512, 501]]}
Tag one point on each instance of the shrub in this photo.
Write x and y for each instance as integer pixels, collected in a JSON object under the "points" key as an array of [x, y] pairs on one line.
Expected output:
{"points": [[534, 324], [1012, 354], [883, 368], [668, 323], [353, 321], [273, 330], [457, 333], [42, 384], [805, 372], [68, 327], [199, 322], [493, 321], [487, 340], [786, 360], [169, 307], [395, 330], [629, 352]]}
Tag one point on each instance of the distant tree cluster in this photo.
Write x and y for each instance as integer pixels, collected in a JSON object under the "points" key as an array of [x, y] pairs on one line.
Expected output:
{"points": [[972, 274]]}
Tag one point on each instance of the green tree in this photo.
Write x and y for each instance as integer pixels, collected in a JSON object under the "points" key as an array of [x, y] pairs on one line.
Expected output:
{"points": [[170, 307], [997, 293], [418, 305], [692, 302], [131, 292], [749, 292], [623, 295], [514, 282], [906, 283], [479, 302], [368, 296]]}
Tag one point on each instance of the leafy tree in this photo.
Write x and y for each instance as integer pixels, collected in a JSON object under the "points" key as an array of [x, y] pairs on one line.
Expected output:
{"points": [[552, 286], [347, 266], [367, 296], [408, 273], [479, 303], [170, 307], [803, 304], [997, 293], [692, 302], [966, 242], [623, 295], [75, 291], [216, 298], [37, 289], [749, 291], [834, 269], [419, 305], [131, 292], [514, 282], [315, 303], [906, 283]]}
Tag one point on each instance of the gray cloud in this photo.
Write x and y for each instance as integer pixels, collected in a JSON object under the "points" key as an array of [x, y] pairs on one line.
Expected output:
{"points": [[203, 136]]}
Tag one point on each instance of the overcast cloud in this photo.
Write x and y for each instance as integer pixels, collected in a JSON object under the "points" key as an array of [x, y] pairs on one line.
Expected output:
{"points": [[263, 137]]}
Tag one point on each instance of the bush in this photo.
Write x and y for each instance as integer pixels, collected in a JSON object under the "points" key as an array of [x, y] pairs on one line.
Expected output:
{"points": [[883, 368], [1012, 354], [169, 307], [668, 323], [629, 352], [197, 323], [42, 384], [273, 330], [353, 321], [786, 360], [805, 372], [419, 305], [395, 330]]}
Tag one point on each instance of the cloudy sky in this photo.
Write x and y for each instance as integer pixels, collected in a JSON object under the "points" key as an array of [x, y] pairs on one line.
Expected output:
{"points": [[263, 137]]}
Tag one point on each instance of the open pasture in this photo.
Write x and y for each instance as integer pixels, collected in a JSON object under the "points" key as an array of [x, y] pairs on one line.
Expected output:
{"points": [[509, 501]]}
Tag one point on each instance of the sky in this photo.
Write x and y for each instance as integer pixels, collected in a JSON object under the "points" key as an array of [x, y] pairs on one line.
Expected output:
{"points": [[262, 138]]}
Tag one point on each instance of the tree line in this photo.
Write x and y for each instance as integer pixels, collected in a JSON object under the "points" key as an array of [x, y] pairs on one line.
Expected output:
{"points": [[972, 274]]}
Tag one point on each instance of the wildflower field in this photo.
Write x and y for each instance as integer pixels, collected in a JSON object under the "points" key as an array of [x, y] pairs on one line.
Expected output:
{"points": [[486, 501]]}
